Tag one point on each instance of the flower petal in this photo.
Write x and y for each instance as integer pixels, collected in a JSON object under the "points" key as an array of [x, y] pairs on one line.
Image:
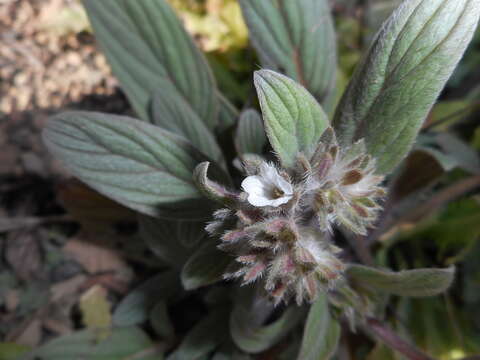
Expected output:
{"points": [[260, 201], [254, 185], [268, 172], [280, 201], [283, 185]]}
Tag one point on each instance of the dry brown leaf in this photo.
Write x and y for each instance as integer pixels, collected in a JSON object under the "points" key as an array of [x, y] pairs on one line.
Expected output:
{"points": [[67, 287], [57, 326], [28, 333], [23, 254], [94, 211], [12, 299], [94, 257]]}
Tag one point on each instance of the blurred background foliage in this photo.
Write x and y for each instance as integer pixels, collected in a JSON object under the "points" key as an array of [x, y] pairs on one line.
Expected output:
{"points": [[431, 220]]}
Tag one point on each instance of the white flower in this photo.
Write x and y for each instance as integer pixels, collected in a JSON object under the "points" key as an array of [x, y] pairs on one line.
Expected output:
{"points": [[268, 188]]}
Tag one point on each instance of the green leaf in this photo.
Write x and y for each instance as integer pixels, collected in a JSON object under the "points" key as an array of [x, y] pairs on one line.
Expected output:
{"points": [[137, 164], [96, 310], [414, 283], [254, 339], [172, 112], [466, 157], [205, 336], [377, 11], [382, 352], [293, 119], [135, 307], [250, 136], [148, 49], [12, 351], [171, 241], [211, 189], [122, 344], [228, 114], [206, 266], [321, 333], [298, 39], [161, 322], [400, 78]]}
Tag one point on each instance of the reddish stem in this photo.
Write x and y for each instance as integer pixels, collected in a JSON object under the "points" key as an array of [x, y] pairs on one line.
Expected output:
{"points": [[392, 340]]}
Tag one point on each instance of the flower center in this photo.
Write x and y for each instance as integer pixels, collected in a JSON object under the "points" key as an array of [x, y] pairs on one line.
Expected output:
{"points": [[277, 193]]}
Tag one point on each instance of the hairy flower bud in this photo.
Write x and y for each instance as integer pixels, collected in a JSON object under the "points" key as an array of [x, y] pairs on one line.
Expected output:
{"points": [[345, 187]]}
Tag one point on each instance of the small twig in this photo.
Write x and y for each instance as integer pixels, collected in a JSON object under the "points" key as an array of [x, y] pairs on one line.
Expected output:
{"points": [[440, 199], [466, 109], [361, 249], [394, 341], [15, 223], [444, 197], [10, 39]]}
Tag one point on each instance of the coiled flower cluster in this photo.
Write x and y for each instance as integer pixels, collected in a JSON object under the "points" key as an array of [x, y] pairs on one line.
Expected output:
{"points": [[278, 226]]}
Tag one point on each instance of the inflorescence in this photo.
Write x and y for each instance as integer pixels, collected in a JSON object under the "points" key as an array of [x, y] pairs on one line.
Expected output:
{"points": [[278, 228]]}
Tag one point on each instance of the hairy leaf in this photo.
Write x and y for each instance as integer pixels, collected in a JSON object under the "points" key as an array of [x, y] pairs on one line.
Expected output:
{"points": [[171, 241], [321, 333], [172, 112], [205, 336], [250, 135], [161, 322], [294, 121], [400, 78], [211, 189], [135, 307], [228, 114], [206, 266], [123, 344], [298, 39], [253, 339], [148, 49], [414, 283], [137, 164]]}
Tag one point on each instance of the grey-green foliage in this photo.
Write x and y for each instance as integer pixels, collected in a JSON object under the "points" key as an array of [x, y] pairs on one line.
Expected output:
{"points": [[172, 112], [154, 168], [250, 135], [206, 266], [321, 333], [402, 75], [148, 49], [254, 338], [137, 164], [204, 337], [294, 121], [135, 307], [171, 241], [298, 39], [415, 283], [123, 344]]}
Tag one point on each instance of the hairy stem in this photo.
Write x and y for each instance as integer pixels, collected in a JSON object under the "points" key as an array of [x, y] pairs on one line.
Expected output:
{"points": [[438, 200], [394, 341]]}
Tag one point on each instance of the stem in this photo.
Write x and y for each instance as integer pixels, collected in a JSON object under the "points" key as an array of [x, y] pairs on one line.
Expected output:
{"points": [[394, 341], [434, 203], [15, 223], [361, 249], [460, 112], [444, 197]]}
